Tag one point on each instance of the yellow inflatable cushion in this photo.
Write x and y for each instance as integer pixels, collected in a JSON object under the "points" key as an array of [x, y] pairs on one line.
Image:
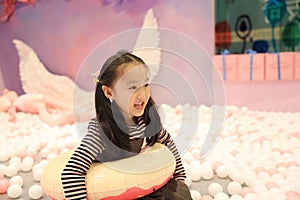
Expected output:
{"points": [[128, 178]]}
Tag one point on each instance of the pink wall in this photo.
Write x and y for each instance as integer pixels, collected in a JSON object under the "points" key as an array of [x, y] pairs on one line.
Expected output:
{"points": [[64, 32], [2, 86], [265, 95]]}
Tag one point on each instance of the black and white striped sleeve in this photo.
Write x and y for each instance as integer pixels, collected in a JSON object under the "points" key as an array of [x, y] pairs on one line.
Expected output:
{"points": [[165, 138], [73, 175]]}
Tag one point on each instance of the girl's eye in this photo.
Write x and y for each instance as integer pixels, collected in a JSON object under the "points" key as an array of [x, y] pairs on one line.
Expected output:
{"points": [[133, 87]]}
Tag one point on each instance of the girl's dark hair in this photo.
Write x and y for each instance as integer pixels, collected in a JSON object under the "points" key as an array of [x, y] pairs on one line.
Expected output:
{"points": [[110, 119]]}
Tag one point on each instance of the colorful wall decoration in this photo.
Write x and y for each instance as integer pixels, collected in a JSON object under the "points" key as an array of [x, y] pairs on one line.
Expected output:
{"points": [[63, 32], [260, 25]]}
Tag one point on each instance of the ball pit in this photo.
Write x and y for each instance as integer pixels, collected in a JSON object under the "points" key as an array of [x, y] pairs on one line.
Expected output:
{"points": [[258, 150]]}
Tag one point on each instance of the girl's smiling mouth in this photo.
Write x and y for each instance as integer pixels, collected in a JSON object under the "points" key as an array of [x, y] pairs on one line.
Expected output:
{"points": [[139, 106]]}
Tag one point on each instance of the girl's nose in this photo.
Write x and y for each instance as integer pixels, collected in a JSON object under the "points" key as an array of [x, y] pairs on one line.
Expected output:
{"points": [[141, 96], [142, 93]]}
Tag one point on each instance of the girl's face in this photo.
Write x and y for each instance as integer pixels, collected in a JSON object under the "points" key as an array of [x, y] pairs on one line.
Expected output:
{"points": [[131, 90]]}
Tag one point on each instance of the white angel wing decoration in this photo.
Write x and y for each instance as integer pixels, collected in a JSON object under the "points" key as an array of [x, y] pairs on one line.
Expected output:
{"points": [[147, 44], [35, 78]]}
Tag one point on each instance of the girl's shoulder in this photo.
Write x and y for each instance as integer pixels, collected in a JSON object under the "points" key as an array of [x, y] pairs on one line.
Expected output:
{"points": [[95, 129], [93, 121], [93, 126]]}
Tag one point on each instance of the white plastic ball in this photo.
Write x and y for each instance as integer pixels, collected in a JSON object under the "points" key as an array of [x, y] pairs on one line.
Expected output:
{"points": [[234, 187], [282, 170], [236, 197], [14, 191], [45, 152], [276, 192], [250, 196], [263, 195], [11, 171], [239, 177], [195, 174], [27, 164], [37, 173], [15, 160], [51, 156], [44, 163], [195, 163], [221, 196], [35, 191], [207, 173], [64, 150], [214, 188], [3, 156], [2, 169], [18, 180], [222, 171], [259, 189], [195, 194], [188, 180]]}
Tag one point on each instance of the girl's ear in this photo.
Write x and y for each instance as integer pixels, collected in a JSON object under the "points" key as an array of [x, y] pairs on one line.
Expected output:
{"points": [[107, 91]]}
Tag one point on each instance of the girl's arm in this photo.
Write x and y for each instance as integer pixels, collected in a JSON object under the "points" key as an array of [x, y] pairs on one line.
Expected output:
{"points": [[73, 175], [165, 138]]}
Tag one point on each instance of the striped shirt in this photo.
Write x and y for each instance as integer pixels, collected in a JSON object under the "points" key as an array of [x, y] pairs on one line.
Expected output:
{"points": [[73, 175]]}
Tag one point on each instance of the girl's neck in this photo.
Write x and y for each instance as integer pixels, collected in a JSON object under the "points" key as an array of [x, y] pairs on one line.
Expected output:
{"points": [[129, 120]]}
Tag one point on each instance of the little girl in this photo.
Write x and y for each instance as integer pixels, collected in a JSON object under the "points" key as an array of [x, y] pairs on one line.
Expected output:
{"points": [[126, 122]]}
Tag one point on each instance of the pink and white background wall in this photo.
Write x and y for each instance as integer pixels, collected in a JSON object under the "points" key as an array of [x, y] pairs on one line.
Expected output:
{"points": [[64, 32]]}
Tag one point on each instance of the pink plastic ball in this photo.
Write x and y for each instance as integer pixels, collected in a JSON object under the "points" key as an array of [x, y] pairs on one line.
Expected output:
{"points": [[31, 154], [276, 150], [292, 195], [216, 165], [286, 151], [270, 185], [178, 110], [21, 155], [272, 172], [234, 152], [258, 170], [292, 163], [206, 197], [4, 184], [281, 164], [246, 190]]}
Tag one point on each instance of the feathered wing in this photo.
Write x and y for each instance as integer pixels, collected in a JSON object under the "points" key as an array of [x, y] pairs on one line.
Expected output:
{"points": [[35, 78], [147, 44]]}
